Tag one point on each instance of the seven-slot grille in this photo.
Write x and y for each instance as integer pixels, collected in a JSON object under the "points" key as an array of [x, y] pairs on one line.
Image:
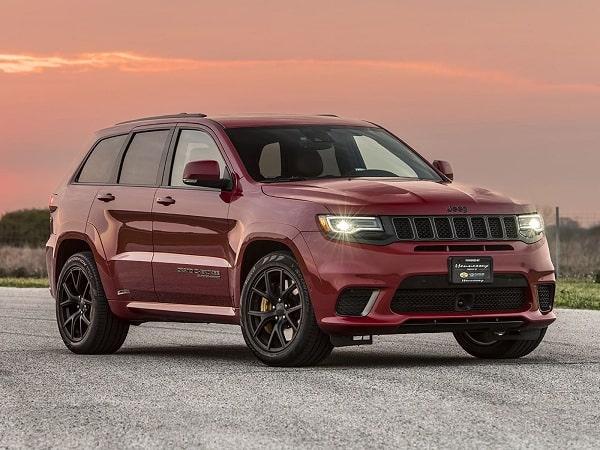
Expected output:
{"points": [[456, 228]]}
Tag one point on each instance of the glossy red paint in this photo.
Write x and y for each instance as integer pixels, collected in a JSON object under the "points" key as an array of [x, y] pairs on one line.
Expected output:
{"points": [[183, 253], [192, 258]]}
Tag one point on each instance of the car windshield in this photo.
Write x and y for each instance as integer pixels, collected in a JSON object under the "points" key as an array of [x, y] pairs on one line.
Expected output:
{"points": [[291, 153]]}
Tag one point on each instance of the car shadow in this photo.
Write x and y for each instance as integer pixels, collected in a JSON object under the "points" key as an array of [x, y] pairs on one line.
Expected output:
{"points": [[228, 352], [350, 359], [341, 359]]}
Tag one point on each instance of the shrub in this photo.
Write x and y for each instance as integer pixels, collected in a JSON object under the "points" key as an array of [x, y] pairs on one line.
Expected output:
{"points": [[22, 262], [25, 228]]}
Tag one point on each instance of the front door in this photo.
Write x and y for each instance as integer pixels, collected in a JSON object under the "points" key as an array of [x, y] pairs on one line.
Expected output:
{"points": [[192, 258]]}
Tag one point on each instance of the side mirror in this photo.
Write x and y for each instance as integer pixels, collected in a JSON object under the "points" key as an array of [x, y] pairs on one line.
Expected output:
{"points": [[445, 168], [206, 174]]}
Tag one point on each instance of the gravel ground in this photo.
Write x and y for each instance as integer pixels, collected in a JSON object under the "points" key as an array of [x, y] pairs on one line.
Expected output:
{"points": [[198, 386]]}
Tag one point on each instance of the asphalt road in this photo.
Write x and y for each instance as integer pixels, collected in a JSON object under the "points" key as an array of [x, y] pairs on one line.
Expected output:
{"points": [[195, 385]]}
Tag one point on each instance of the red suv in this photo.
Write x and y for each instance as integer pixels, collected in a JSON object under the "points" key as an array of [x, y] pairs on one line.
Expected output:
{"points": [[309, 232]]}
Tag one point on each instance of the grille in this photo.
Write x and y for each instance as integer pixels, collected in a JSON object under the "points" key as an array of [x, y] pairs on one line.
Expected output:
{"points": [[436, 300], [353, 302], [432, 293], [546, 297], [453, 228]]}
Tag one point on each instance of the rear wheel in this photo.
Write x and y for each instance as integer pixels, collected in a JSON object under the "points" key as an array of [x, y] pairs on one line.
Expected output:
{"points": [[482, 345], [85, 321], [278, 321]]}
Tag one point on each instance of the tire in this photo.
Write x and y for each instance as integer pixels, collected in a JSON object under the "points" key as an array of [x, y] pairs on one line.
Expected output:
{"points": [[277, 317], [85, 321], [480, 346]]}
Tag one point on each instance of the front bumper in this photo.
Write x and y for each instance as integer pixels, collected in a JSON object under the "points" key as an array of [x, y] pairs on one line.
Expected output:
{"points": [[385, 270]]}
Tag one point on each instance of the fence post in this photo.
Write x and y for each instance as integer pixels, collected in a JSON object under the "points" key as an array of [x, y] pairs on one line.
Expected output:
{"points": [[557, 268]]}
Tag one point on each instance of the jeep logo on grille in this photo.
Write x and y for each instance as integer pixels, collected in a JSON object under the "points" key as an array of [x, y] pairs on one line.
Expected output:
{"points": [[460, 209]]}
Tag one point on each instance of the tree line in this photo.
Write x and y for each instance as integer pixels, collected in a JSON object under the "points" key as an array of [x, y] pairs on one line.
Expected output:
{"points": [[25, 228]]}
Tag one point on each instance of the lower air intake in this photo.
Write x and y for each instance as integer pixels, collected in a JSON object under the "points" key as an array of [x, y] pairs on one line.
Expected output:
{"points": [[546, 297], [423, 294], [353, 302]]}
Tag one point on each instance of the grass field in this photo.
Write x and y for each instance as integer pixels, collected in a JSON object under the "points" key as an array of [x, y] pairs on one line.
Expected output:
{"points": [[577, 294], [24, 282], [570, 293]]}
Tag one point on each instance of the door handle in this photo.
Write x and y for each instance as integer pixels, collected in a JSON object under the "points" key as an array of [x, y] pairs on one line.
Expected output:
{"points": [[108, 197], [165, 200]]}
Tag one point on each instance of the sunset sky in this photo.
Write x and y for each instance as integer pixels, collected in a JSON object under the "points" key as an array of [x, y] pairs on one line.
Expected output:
{"points": [[507, 91]]}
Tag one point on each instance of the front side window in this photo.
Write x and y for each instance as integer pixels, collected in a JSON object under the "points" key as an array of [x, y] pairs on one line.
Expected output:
{"points": [[142, 159], [273, 154], [99, 166], [194, 145]]}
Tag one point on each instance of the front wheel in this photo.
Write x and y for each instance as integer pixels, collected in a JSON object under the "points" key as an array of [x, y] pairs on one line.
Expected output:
{"points": [[277, 318], [85, 321], [481, 345]]}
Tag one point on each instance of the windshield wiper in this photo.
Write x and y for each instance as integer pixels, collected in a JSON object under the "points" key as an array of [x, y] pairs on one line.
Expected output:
{"points": [[283, 179]]}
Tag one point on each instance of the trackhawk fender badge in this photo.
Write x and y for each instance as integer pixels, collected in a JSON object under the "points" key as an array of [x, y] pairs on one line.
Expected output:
{"points": [[460, 209], [201, 273]]}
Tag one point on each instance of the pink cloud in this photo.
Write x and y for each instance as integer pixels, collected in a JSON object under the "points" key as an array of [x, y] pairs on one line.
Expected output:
{"points": [[131, 62]]}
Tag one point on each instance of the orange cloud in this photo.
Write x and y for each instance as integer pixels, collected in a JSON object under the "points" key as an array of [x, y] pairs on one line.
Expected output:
{"points": [[86, 61], [130, 62]]}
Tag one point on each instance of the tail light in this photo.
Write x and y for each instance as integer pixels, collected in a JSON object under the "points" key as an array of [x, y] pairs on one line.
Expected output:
{"points": [[52, 207], [51, 204]]}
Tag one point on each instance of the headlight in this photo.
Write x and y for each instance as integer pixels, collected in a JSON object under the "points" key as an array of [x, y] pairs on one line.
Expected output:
{"points": [[348, 225], [531, 227]]}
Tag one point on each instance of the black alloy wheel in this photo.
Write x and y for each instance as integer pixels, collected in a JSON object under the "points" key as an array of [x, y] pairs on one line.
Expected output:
{"points": [[84, 319], [278, 321], [481, 345], [75, 304]]}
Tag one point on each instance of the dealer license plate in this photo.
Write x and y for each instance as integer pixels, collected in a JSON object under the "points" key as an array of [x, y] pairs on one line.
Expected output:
{"points": [[471, 270]]}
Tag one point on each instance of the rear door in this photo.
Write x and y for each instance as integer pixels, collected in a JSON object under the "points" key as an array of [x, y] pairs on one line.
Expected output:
{"points": [[192, 257], [122, 214]]}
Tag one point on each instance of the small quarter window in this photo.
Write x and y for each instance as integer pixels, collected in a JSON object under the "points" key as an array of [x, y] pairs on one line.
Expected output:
{"points": [[195, 145], [100, 165], [142, 160]]}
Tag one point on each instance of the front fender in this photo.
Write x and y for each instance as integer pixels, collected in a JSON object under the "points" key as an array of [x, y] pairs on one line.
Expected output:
{"points": [[279, 233]]}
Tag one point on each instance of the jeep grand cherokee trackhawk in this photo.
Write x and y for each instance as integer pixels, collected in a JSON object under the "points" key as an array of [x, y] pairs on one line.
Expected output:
{"points": [[309, 232]]}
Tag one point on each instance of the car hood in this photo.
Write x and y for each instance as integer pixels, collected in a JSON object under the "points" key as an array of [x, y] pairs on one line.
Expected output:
{"points": [[386, 196]]}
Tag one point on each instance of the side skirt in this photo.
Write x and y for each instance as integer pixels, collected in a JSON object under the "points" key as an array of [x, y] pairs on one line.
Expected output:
{"points": [[156, 311]]}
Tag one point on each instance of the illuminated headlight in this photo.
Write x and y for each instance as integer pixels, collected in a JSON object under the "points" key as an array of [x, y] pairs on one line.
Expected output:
{"points": [[531, 227], [348, 225]]}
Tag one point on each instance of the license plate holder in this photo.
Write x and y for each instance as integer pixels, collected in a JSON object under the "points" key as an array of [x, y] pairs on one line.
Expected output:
{"points": [[471, 270]]}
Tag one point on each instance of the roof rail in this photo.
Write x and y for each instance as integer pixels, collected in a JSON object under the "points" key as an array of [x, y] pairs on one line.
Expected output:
{"points": [[167, 116], [328, 115]]}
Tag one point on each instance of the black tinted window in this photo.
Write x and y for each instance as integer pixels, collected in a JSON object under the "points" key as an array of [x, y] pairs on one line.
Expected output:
{"points": [[273, 154], [142, 159], [100, 164]]}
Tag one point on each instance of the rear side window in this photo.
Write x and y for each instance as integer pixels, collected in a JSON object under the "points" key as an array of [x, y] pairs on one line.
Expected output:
{"points": [[99, 166], [143, 157]]}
